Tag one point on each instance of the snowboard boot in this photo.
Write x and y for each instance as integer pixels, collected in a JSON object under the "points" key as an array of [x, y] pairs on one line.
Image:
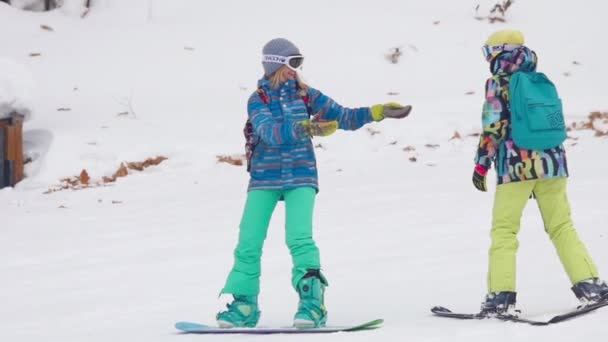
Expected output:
{"points": [[242, 312], [499, 303], [311, 308], [590, 291]]}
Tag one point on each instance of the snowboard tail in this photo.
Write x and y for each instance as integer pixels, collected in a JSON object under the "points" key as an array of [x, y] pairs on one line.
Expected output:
{"points": [[197, 328]]}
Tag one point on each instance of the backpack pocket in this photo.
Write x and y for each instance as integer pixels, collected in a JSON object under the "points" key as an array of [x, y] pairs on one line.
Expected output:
{"points": [[544, 116]]}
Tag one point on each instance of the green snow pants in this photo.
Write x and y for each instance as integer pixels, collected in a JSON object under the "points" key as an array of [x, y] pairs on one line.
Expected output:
{"points": [[509, 203], [244, 279]]}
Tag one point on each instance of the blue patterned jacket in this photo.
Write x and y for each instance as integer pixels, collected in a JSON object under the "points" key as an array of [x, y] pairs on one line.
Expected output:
{"points": [[284, 158]]}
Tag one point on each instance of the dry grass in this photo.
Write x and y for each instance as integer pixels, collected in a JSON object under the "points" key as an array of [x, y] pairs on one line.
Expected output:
{"points": [[596, 122], [238, 160], [84, 181]]}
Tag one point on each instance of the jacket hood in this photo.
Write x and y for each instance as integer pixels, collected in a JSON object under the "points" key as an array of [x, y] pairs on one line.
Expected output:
{"points": [[519, 59]]}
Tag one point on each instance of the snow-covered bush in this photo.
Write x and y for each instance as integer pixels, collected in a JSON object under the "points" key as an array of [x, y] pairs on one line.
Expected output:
{"points": [[71, 6], [496, 13], [16, 89]]}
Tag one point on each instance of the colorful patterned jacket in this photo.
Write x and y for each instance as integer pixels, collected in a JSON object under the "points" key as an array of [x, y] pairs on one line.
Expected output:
{"points": [[284, 158], [513, 164]]}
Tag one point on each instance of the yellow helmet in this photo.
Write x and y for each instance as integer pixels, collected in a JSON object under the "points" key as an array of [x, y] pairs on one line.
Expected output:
{"points": [[503, 40]]}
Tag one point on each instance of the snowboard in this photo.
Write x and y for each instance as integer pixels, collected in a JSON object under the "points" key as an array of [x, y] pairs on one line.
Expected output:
{"points": [[196, 328], [444, 312]]}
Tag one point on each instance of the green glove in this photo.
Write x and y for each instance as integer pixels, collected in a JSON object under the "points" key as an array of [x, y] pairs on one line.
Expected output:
{"points": [[391, 110], [319, 128]]}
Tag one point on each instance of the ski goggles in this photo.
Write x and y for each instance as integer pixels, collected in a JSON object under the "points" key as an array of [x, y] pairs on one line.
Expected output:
{"points": [[490, 52], [293, 62]]}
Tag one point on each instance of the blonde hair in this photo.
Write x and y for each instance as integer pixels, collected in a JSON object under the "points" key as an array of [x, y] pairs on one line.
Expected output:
{"points": [[277, 78]]}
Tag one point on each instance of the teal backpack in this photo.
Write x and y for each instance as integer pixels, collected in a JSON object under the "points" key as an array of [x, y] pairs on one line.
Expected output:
{"points": [[537, 118]]}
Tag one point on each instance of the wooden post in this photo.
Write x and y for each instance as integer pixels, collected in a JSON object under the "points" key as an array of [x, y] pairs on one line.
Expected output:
{"points": [[12, 129], [3, 180]]}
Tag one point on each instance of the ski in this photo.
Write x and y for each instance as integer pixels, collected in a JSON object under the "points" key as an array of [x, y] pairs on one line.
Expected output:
{"points": [[578, 312], [196, 328], [445, 312]]}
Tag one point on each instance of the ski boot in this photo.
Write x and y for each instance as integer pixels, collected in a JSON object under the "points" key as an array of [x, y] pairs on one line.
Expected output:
{"points": [[499, 303], [311, 308], [590, 291], [242, 312]]}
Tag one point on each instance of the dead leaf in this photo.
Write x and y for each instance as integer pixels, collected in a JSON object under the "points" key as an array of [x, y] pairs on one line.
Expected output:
{"points": [[470, 93], [409, 149], [372, 131], [413, 159], [456, 136], [495, 19], [35, 54], [139, 166], [154, 161], [393, 55], [432, 145], [237, 161], [46, 27], [84, 177], [122, 171], [107, 179], [600, 133]]}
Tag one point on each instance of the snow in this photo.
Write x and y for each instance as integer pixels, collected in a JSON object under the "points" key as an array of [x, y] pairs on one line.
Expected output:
{"points": [[137, 79], [16, 89]]}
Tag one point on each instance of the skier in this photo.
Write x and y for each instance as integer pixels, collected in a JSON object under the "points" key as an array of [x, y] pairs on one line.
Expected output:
{"points": [[285, 114], [523, 174]]}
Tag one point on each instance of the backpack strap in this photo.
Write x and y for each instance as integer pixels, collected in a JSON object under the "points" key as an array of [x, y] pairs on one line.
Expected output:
{"points": [[263, 96]]}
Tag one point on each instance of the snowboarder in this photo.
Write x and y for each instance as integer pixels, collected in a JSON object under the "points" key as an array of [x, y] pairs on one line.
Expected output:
{"points": [[285, 114], [522, 174]]}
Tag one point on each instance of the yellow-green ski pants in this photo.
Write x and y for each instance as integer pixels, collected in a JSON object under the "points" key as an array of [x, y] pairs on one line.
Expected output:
{"points": [[509, 202]]}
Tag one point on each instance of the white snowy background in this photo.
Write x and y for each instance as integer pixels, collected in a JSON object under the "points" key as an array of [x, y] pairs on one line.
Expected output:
{"points": [[135, 79]]}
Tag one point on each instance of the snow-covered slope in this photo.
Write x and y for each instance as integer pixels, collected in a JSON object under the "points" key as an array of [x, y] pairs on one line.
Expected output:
{"points": [[141, 78]]}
